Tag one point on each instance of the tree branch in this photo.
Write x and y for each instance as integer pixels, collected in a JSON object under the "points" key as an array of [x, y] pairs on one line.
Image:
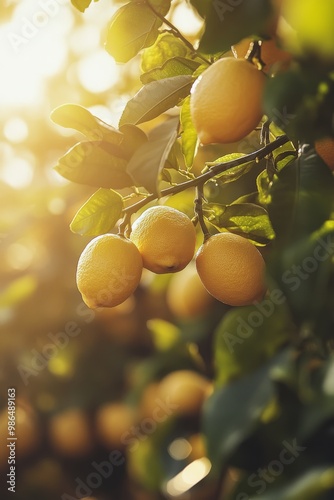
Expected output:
{"points": [[212, 172]]}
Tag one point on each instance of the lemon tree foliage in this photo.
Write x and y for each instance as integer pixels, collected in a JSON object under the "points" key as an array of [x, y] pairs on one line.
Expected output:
{"points": [[270, 414]]}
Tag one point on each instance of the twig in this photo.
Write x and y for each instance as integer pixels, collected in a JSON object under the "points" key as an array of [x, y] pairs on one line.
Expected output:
{"points": [[177, 33], [199, 211]]}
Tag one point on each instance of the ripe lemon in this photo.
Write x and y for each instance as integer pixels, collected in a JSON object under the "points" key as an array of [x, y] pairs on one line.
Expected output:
{"points": [[165, 238], [185, 389], [113, 420], [271, 55], [325, 149], [231, 269], [226, 100], [70, 434], [187, 297], [109, 271]]}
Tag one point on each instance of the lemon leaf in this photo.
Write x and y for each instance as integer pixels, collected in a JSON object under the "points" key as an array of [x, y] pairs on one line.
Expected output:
{"points": [[133, 27], [234, 173], [188, 135], [166, 47], [156, 98], [246, 219], [147, 163], [175, 66], [99, 214], [79, 118], [97, 164]]}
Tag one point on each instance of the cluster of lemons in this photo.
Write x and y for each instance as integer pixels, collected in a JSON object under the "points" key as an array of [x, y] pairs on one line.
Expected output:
{"points": [[163, 240]]}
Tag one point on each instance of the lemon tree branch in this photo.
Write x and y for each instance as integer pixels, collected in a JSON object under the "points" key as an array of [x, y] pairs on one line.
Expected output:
{"points": [[212, 172]]}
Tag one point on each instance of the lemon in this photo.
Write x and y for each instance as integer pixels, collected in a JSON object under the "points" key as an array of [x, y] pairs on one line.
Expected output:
{"points": [[231, 269], [187, 297], [185, 389], [113, 421], [70, 434], [109, 271], [165, 238], [226, 101]]}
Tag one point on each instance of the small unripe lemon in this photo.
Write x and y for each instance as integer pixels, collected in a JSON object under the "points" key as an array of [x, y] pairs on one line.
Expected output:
{"points": [[165, 238], [231, 269], [109, 271], [185, 389], [226, 101]]}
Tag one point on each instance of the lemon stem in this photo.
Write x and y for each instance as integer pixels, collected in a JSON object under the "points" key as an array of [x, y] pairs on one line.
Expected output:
{"points": [[199, 210], [254, 54], [218, 168]]}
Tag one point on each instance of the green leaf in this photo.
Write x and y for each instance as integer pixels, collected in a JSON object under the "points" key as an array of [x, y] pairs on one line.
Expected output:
{"points": [[188, 134], [99, 214], [226, 23], [97, 164], [146, 165], [79, 118], [233, 173], [166, 46], [248, 336], [175, 66], [231, 414], [246, 219], [156, 98], [263, 185], [82, 5], [133, 138], [315, 483], [133, 27], [284, 155]]}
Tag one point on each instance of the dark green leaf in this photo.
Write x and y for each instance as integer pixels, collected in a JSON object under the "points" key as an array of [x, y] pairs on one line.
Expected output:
{"points": [[97, 164], [246, 219], [175, 66], [146, 165], [133, 27], [226, 22], [79, 118], [99, 214], [232, 413], [188, 134], [248, 336], [156, 98]]}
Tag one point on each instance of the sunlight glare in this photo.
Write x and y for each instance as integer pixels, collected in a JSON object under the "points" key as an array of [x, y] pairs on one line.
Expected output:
{"points": [[188, 477], [16, 130], [98, 72], [17, 172], [186, 20]]}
